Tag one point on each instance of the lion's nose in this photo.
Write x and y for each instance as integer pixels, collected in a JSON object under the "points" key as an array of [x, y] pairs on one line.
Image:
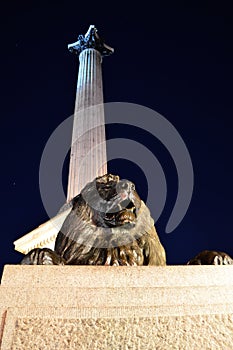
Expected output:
{"points": [[124, 185]]}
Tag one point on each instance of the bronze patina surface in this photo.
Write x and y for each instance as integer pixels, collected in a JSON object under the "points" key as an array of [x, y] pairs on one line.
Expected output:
{"points": [[108, 225]]}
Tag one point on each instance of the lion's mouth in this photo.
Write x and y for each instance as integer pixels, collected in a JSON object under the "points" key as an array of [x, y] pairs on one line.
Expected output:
{"points": [[123, 213], [118, 204]]}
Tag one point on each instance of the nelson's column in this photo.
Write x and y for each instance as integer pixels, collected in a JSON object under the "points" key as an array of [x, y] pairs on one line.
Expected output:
{"points": [[88, 146]]}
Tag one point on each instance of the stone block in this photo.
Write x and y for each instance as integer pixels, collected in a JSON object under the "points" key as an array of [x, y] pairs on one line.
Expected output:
{"points": [[90, 307]]}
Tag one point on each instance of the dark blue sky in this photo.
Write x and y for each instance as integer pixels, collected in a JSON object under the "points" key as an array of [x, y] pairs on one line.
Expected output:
{"points": [[174, 58]]}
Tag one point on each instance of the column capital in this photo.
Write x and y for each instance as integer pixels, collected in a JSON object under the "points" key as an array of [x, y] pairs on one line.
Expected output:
{"points": [[90, 40]]}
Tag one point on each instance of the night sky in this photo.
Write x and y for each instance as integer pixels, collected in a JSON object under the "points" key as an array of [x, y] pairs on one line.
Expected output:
{"points": [[174, 58]]}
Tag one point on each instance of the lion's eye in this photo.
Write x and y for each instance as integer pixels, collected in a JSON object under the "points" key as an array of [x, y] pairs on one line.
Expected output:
{"points": [[133, 187]]}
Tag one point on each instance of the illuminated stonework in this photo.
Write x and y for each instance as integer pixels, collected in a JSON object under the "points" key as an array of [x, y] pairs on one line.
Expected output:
{"points": [[90, 49], [43, 236], [102, 308]]}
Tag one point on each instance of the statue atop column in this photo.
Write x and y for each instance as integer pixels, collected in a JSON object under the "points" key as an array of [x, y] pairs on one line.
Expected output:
{"points": [[90, 40]]}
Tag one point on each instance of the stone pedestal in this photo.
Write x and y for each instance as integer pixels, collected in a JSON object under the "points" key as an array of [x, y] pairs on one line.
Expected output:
{"points": [[96, 308]]}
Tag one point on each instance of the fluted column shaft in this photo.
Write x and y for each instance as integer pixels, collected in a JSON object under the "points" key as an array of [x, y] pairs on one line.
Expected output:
{"points": [[88, 150]]}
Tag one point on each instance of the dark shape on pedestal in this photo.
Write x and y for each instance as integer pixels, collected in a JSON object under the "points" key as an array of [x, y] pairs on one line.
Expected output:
{"points": [[108, 225], [42, 256], [211, 257]]}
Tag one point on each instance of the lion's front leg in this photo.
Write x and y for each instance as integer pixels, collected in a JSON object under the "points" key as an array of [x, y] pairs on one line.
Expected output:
{"points": [[128, 255], [112, 257], [42, 256], [211, 257]]}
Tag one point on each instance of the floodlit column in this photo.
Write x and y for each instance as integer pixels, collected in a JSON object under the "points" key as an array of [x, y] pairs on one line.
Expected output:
{"points": [[88, 157]]}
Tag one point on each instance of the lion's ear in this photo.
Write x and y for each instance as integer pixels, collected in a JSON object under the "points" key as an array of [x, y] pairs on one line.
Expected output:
{"points": [[76, 200]]}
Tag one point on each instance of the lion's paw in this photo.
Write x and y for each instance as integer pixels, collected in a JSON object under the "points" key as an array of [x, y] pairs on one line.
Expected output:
{"points": [[211, 257]]}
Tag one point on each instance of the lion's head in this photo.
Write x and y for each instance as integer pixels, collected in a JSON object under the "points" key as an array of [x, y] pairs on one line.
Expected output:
{"points": [[108, 219], [114, 202]]}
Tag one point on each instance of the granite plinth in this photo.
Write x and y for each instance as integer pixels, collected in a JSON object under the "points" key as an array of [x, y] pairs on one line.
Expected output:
{"points": [[89, 307]]}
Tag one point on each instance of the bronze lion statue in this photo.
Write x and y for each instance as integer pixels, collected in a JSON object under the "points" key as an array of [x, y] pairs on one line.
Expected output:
{"points": [[108, 225]]}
